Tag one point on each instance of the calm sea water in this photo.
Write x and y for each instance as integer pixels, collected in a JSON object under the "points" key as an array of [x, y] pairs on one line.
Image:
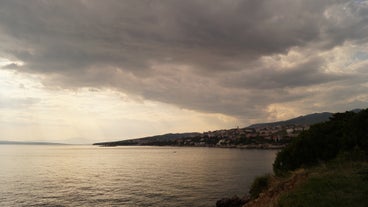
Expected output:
{"points": [[126, 176]]}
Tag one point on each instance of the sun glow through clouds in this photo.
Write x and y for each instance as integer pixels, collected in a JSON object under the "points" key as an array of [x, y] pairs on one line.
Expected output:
{"points": [[30, 111], [124, 69]]}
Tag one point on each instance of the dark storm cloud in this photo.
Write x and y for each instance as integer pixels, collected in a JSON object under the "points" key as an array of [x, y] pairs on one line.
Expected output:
{"points": [[307, 73], [202, 55]]}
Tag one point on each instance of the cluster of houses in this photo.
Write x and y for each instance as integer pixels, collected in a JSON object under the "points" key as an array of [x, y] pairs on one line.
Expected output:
{"points": [[260, 137], [265, 137]]}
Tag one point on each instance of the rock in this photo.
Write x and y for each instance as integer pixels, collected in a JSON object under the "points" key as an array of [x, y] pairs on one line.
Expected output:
{"points": [[235, 201], [246, 198], [224, 202]]}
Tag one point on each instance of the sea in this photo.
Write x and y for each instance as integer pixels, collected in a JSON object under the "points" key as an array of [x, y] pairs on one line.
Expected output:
{"points": [[74, 175]]}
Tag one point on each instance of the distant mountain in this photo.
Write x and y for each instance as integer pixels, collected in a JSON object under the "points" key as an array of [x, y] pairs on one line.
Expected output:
{"points": [[301, 120], [149, 140], [356, 110], [168, 139], [28, 143]]}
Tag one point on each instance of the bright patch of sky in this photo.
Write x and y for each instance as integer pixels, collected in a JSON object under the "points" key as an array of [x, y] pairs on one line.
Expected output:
{"points": [[31, 112]]}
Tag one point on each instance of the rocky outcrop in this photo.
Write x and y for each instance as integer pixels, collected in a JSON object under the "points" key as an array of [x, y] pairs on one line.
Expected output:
{"points": [[235, 201], [269, 196], [278, 186]]}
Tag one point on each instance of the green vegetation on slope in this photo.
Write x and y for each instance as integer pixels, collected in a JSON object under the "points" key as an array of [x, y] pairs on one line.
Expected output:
{"points": [[342, 181], [322, 142], [335, 154], [324, 166], [336, 184], [259, 184]]}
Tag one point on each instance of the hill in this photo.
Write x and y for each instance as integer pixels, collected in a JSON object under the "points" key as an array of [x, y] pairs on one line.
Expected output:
{"points": [[151, 140], [275, 133], [231, 137], [333, 159], [326, 165], [301, 120], [340, 182], [323, 141]]}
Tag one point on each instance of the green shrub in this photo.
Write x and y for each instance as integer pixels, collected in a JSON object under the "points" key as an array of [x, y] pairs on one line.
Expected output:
{"points": [[322, 142], [259, 184], [340, 184]]}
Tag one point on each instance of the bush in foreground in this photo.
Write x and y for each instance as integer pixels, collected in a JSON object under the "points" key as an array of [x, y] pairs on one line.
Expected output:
{"points": [[339, 184], [259, 184], [322, 142]]}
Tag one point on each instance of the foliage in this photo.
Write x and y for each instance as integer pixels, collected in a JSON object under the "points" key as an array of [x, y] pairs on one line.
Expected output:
{"points": [[339, 184], [323, 141], [259, 184]]}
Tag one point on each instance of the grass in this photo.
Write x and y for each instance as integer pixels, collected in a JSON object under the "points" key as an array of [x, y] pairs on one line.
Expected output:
{"points": [[337, 184]]}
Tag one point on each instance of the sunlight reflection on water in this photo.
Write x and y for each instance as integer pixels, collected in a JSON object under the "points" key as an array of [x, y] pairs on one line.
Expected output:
{"points": [[126, 176]]}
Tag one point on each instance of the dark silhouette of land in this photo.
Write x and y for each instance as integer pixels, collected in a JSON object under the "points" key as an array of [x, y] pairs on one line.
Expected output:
{"points": [[262, 135]]}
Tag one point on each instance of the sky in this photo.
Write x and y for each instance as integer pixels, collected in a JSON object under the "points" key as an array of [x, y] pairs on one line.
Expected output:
{"points": [[81, 71]]}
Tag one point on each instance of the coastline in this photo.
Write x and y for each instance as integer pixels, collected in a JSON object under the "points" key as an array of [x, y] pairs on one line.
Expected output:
{"points": [[255, 146], [250, 146]]}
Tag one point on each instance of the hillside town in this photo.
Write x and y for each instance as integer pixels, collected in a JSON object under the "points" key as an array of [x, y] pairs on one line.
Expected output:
{"points": [[262, 137], [273, 135]]}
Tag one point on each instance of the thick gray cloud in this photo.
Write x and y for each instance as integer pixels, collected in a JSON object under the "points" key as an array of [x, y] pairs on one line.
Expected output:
{"points": [[206, 55]]}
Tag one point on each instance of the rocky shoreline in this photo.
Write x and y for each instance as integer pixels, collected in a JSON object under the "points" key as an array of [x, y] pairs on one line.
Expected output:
{"points": [[270, 195], [234, 201]]}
